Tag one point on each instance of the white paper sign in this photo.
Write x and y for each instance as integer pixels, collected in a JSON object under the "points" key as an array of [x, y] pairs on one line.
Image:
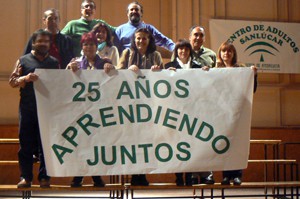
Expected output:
{"points": [[93, 123], [271, 46]]}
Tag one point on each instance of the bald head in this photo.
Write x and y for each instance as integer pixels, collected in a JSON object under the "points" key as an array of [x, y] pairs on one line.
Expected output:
{"points": [[197, 37]]}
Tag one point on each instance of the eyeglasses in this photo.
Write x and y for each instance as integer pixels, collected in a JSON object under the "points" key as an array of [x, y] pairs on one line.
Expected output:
{"points": [[86, 6]]}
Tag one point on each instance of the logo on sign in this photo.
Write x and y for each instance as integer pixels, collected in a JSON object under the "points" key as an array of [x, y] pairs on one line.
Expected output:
{"points": [[264, 40]]}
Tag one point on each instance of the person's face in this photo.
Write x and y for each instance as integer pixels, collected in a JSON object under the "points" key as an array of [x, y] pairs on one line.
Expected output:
{"points": [[89, 49], [88, 10], [101, 34], [227, 55], [41, 45], [134, 13], [183, 53], [52, 21], [197, 38], [141, 41]]}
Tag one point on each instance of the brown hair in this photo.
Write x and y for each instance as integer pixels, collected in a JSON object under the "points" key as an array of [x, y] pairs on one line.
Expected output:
{"points": [[108, 33], [226, 46], [151, 47]]}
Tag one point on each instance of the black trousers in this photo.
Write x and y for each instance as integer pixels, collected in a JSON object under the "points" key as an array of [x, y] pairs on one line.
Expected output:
{"points": [[30, 141], [78, 179], [233, 174]]}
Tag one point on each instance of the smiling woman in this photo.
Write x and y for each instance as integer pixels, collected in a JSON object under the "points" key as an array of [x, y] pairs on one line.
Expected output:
{"points": [[142, 53], [89, 61], [227, 58], [183, 57], [105, 48]]}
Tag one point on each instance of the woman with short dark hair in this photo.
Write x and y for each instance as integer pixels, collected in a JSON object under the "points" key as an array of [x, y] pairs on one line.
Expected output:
{"points": [[183, 57]]}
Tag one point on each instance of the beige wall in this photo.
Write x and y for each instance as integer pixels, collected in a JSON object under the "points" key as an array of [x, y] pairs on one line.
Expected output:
{"points": [[276, 101]]}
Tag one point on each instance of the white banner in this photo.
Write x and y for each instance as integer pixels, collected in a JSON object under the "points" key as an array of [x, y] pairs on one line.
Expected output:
{"points": [[156, 122], [273, 47]]}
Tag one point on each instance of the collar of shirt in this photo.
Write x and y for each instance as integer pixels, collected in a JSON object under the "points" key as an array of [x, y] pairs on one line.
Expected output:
{"points": [[182, 65]]}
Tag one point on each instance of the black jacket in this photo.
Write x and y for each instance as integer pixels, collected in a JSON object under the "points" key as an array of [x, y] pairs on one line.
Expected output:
{"points": [[176, 65]]}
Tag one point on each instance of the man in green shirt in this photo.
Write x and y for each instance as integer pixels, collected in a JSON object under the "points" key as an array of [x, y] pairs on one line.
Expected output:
{"points": [[202, 55], [75, 28], [205, 57]]}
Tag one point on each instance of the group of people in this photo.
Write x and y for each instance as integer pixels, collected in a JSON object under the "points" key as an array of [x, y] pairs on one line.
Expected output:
{"points": [[87, 44]]}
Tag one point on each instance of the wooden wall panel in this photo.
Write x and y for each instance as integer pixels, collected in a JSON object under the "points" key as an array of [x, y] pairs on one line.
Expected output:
{"points": [[166, 18], [290, 107], [113, 12], [8, 104], [12, 34], [283, 13], [274, 103], [152, 12], [183, 18], [33, 17], [269, 78], [206, 12], [296, 78], [252, 10], [293, 10], [266, 109], [70, 11]]}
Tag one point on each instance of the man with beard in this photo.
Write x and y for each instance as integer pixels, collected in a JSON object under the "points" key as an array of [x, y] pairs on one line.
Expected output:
{"points": [[76, 28], [23, 77], [124, 33]]}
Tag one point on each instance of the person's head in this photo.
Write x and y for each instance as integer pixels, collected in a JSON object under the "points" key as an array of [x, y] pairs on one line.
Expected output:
{"points": [[135, 12], [226, 54], [89, 44], [183, 50], [51, 20], [41, 42], [88, 8], [102, 33], [197, 37], [143, 41]]}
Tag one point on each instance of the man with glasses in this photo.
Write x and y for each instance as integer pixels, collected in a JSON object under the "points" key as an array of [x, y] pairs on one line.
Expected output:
{"points": [[76, 28]]}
